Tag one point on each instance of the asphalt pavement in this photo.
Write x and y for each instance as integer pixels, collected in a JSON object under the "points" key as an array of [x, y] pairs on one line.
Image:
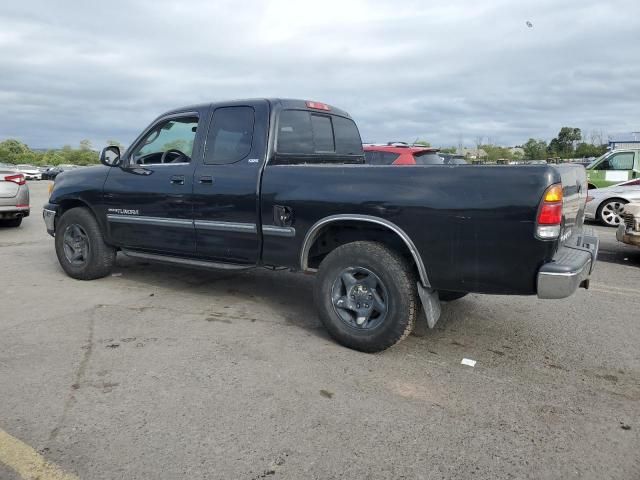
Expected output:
{"points": [[160, 372]]}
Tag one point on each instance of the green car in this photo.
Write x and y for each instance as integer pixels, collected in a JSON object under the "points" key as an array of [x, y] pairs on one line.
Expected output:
{"points": [[614, 167]]}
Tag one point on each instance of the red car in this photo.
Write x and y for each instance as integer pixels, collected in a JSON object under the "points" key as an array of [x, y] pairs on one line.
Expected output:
{"points": [[401, 154]]}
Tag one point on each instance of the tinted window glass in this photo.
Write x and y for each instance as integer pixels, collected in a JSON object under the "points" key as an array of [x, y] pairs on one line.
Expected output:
{"points": [[380, 158], [294, 132], [347, 137], [620, 161], [428, 158], [322, 134], [176, 135], [230, 135]]}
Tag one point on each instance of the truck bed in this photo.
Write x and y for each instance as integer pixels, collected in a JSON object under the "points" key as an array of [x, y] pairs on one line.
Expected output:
{"points": [[474, 226]]}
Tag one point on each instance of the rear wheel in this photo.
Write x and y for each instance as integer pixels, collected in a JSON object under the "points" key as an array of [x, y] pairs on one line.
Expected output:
{"points": [[80, 246], [366, 296], [11, 222], [610, 212]]}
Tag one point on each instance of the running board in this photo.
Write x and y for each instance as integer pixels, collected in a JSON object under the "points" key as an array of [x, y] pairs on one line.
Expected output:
{"points": [[187, 262]]}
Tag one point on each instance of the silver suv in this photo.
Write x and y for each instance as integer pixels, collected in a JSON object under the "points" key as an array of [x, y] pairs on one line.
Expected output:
{"points": [[14, 197]]}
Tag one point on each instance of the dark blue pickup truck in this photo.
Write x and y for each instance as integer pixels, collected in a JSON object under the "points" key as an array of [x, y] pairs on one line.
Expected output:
{"points": [[282, 183]]}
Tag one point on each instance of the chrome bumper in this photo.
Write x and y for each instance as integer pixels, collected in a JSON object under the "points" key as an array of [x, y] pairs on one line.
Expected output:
{"points": [[570, 268], [49, 217]]}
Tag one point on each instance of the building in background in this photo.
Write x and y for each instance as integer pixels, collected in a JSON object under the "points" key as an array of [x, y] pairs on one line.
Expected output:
{"points": [[624, 140]]}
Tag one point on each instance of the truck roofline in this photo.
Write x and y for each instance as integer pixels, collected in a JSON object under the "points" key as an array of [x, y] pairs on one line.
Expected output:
{"points": [[283, 103]]}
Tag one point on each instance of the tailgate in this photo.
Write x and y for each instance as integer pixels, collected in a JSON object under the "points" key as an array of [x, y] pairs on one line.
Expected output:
{"points": [[574, 198], [7, 189]]}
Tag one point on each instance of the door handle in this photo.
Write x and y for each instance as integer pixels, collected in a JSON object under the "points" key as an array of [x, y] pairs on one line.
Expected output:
{"points": [[206, 179], [177, 179]]}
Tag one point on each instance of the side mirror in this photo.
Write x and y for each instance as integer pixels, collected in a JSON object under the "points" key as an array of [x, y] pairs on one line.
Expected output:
{"points": [[110, 156]]}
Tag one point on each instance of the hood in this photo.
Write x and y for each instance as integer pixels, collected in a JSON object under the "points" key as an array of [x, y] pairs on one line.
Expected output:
{"points": [[633, 209]]}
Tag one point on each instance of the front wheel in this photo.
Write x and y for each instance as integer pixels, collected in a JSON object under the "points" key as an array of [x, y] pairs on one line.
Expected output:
{"points": [[80, 246], [610, 212], [366, 296]]}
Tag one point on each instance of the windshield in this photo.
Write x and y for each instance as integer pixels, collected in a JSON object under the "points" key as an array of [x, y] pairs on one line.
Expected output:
{"points": [[598, 159]]}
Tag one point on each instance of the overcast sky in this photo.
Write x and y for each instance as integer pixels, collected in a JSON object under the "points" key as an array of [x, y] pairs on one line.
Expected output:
{"points": [[436, 70]]}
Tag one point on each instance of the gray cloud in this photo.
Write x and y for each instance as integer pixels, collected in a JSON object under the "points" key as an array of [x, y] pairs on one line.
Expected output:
{"points": [[433, 70]]}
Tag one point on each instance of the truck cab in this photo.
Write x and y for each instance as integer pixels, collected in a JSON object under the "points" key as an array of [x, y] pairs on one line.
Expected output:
{"points": [[614, 167]]}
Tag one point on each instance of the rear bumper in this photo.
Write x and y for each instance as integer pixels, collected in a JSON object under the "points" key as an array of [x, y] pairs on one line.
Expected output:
{"points": [[570, 268], [14, 211]]}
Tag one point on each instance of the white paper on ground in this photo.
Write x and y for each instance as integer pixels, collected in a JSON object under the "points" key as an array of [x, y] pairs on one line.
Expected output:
{"points": [[468, 361]]}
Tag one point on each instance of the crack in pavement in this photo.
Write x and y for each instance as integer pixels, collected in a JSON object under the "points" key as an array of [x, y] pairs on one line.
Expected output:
{"points": [[77, 380]]}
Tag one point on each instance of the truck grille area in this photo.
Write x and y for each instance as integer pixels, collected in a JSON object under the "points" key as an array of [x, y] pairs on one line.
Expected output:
{"points": [[628, 221]]}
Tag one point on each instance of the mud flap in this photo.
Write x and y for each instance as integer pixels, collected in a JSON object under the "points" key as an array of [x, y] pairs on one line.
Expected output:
{"points": [[430, 304]]}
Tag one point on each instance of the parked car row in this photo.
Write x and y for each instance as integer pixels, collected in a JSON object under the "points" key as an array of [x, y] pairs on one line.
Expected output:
{"points": [[52, 172], [44, 172]]}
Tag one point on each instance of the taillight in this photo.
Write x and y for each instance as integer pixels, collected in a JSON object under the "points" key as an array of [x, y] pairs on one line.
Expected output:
{"points": [[550, 213], [18, 179]]}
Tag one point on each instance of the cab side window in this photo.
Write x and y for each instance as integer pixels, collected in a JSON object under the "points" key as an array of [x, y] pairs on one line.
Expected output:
{"points": [[170, 141], [230, 135], [618, 161]]}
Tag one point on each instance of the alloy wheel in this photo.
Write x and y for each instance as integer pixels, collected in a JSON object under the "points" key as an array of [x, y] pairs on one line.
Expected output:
{"points": [[76, 245], [360, 298]]}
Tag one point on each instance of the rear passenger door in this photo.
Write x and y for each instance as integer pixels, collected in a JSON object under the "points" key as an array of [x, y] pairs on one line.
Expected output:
{"points": [[225, 184]]}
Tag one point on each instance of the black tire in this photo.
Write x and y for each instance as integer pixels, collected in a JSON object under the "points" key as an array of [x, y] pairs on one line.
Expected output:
{"points": [[609, 212], [11, 222], [449, 296], [396, 280], [99, 258]]}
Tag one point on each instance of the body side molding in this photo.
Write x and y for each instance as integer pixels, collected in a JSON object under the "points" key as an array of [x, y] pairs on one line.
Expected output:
{"points": [[160, 221]]}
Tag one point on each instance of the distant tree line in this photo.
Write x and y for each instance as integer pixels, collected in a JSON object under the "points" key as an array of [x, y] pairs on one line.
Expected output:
{"points": [[16, 152], [569, 143]]}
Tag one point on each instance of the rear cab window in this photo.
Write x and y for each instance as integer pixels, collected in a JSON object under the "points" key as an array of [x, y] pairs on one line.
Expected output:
{"points": [[305, 136]]}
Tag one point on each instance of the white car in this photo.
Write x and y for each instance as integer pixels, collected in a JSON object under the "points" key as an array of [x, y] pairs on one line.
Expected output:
{"points": [[606, 204], [30, 172]]}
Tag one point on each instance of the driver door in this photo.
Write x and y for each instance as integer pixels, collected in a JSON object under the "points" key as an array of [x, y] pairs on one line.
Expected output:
{"points": [[148, 200]]}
